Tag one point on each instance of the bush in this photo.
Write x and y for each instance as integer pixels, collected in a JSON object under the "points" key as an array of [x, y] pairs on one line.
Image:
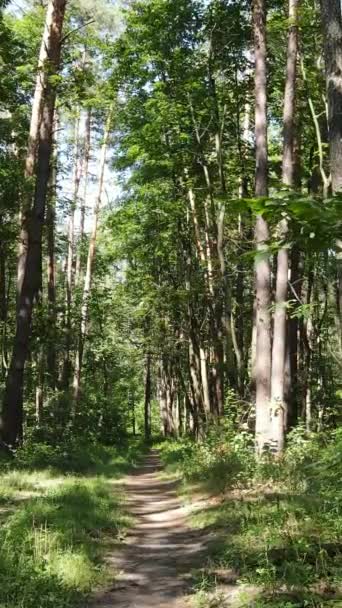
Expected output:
{"points": [[221, 460]]}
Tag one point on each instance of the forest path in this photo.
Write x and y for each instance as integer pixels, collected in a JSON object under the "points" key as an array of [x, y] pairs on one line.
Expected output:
{"points": [[153, 566]]}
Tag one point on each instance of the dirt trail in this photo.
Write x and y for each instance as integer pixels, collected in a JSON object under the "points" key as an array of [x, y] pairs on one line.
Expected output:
{"points": [[156, 559]]}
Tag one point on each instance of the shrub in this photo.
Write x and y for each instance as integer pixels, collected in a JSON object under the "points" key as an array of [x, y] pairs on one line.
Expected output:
{"points": [[222, 459]]}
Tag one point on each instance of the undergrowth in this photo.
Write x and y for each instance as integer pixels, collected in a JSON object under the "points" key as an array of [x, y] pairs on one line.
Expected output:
{"points": [[278, 523], [56, 525]]}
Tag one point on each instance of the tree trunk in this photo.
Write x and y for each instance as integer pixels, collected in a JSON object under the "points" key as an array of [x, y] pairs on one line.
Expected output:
{"points": [[3, 307], [332, 30], [70, 268], [292, 397], [51, 278], [40, 384], [90, 263], [12, 413], [262, 265], [133, 414], [147, 398], [43, 74], [278, 402], [86, 160]]}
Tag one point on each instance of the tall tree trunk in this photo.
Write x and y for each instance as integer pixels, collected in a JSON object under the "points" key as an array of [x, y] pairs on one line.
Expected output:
{"points": [[238, 313], [70, 267], [90, 263], [332, 29], [147, 397], [43, 73], [40, 365], [12, 413], [51, 270], [86, 160], [308, 333], [280, 318], [3, 306], [262, 265], [292, 395]]}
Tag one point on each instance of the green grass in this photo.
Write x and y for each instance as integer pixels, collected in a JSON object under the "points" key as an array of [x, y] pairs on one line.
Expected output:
{"points": [[55, 529], [277, 526]]}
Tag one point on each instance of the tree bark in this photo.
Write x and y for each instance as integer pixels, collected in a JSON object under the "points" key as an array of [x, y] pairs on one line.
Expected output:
{"points": [[147, 397], [278, 402], [4, 293], [43, 73], [262, 265], [90, 263], [12, 414], [51, 270], [332, 30], [70, 268], [86, 160]]}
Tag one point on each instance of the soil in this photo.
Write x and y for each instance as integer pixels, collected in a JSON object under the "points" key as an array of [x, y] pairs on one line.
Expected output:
{"points": [[154, 565]]}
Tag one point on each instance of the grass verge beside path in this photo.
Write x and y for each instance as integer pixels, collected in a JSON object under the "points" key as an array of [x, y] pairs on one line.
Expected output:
{"points": [[278, 524], [56, 526]]}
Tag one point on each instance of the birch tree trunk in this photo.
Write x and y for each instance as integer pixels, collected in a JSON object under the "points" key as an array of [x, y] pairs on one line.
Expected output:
{"points": [[262, 265], [12, 413], [281, 295], [51, 274], [70, 268], [86, 160], [90, 263]]}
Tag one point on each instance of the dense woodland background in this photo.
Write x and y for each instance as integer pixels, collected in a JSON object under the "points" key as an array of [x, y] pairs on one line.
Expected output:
{"points": [[170, 234], [212, 289]]}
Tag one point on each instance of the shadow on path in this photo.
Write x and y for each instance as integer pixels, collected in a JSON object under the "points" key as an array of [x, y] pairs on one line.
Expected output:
{"points": [[153, 566]]}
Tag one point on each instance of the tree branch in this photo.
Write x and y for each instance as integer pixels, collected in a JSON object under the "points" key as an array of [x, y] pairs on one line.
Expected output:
{"points": [[77, 29]]}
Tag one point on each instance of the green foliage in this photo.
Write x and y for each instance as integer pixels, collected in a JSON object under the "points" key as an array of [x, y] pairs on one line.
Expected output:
{"points": [[221, 460]]}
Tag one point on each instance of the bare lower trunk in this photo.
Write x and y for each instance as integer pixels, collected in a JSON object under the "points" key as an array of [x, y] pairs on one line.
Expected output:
{"points": [[40, 386], [279, 414], [195, 386], [293, 344], [12, 413], [3, 307], [205, 380], [262, 265], [147, 397], [279, 355]]}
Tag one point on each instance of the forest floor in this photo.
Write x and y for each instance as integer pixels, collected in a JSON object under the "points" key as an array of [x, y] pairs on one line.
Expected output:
{"points": [[112, 535], [154, 565], [163, 556], [201, 550], [57, 523]]}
